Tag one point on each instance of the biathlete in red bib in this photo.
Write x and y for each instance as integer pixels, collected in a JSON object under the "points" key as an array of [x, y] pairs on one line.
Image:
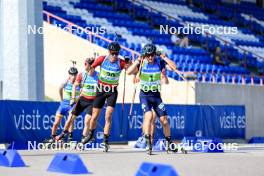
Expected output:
{"points": [[110, 69]]}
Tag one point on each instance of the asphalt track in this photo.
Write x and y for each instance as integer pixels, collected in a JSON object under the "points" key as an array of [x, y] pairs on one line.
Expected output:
{"points": [[123, 160]]}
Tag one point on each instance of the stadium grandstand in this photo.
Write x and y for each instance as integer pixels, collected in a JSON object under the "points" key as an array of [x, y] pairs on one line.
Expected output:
{"points": [[139, 22], [132, 87]]}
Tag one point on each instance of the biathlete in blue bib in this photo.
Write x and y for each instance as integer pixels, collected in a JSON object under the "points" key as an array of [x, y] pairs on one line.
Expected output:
{"points": [[65, 107], [149, 69]]}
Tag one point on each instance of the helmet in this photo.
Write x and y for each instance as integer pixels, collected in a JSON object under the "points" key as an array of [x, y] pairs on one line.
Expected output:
{"points": [[73, 71], [89, 60], [149, 49], [114, 46]]}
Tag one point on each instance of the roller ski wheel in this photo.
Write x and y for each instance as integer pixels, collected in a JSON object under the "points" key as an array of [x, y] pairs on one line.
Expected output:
{"points": [[50, 140], [105, 147], [184, 151], [48, 143], [80, 146], [149, 150], [172, 150]]}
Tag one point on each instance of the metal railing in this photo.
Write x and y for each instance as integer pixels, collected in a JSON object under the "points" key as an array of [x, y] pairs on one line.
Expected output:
{"points": [[207, 34], [90, 33]]}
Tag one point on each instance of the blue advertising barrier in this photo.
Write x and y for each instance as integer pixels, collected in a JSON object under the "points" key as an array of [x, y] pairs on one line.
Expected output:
{"points": [[23, 121]]}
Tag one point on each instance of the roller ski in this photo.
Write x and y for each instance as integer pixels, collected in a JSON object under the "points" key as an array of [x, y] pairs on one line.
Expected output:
{"points": [[173, 147], [48, 142], [184, 151], [182, 148], [85, 140]]}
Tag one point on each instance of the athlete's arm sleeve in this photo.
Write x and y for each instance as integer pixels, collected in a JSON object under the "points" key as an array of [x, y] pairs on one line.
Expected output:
{"points": [[163, 65], [61, 89], [79, 78], [98, 61], [122, 64]]}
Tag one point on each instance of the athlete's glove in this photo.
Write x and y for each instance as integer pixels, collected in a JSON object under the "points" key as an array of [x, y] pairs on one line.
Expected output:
{"points": [[160, 53], [72, 102], [127, 59]]}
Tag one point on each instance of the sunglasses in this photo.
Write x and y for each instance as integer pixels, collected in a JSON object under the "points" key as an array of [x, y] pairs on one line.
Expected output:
{"points": [[114, 54], [150, 55]]}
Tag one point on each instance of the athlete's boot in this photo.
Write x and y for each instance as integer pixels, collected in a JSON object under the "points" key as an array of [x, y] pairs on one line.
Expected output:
{"points": [[61, 137], [149, 144], [70, 138], [170, 146], [106, 142], [87, 139]]}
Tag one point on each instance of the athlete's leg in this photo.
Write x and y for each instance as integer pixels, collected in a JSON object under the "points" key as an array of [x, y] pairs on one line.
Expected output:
{"points": [[152, 128], [111, 102], [160, 110], [165, 124], [87, 120], [148, 117], [69, 123], [95, 115], [97, 106], [152, 124], [152, 131], [78, 109], [108, 119], [56, 124], [70, 135], [62, 110], [167, 134], [86, 125], [146, 106]]}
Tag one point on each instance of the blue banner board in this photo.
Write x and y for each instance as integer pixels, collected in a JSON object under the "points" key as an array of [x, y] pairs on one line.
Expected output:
{"points": [[23, 121]]}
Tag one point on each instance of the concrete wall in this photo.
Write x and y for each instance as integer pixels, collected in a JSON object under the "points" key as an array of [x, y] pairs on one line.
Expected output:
{"points": [[22, 68], [250, 96]]}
